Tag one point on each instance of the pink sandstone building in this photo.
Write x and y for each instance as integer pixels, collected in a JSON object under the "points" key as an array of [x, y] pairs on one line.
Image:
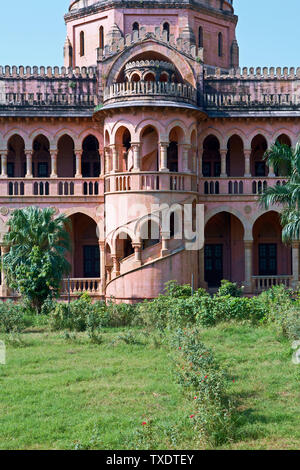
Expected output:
{"points": [[151, 107]]}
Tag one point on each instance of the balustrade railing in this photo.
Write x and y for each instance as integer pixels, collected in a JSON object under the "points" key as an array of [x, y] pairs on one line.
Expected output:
{"points": [[47, 99], [164, 90], [237, 186], [246, 100], [76, 286], [16, 187], [262, 283], [150, 181]]}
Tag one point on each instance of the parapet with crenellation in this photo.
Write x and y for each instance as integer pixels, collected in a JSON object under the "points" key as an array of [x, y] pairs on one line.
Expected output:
{"points": [[46, 87]]}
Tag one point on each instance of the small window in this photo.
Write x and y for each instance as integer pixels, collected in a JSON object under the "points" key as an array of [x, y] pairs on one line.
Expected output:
{"points": [[220, 44], [166, 27], [135, 27], [81, 37], [101, 38], [200, 36]]}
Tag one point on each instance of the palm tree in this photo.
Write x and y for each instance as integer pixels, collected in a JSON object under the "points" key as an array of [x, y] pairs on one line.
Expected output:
{"points": [[36, 262], [287, 195]]}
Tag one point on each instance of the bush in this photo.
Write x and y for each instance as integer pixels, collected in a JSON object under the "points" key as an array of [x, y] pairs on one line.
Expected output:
{"points": [[230, 288], [216, 309], [199, 373], [119, 314], [12, 318], [73, 316]]}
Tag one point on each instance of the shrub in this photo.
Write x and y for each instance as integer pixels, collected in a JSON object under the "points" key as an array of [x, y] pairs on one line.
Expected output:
{"points": [[12, 319], [229, 288], [225, 308], [119, 314], [175, 290], [200, 374], [73, 316]]}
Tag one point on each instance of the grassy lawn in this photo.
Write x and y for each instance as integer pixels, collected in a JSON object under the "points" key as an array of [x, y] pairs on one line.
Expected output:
{"points": [[59, 394]]}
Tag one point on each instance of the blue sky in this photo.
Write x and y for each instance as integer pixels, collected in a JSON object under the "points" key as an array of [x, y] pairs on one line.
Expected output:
{"points": [[32, 32]]}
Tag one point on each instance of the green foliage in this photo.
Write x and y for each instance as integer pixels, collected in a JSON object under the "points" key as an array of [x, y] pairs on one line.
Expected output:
{"points": [[213, 310], [175, 290], [288, 196], [36, 261], [12, 319], [200, 374], [119, 314], [230, 288], [283, 310]]}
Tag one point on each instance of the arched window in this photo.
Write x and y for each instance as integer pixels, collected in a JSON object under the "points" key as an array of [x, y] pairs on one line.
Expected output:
{"points": [[101, 37], [166, 27], [81, 40], [220, 45], [200, 36], [135, 27]]}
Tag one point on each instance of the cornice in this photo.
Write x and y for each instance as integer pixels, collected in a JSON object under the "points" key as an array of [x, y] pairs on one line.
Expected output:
{"points": [[150, 5]]}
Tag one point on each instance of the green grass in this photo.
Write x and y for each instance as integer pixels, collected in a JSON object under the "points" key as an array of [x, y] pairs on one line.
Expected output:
{"points": [[58, 394]]}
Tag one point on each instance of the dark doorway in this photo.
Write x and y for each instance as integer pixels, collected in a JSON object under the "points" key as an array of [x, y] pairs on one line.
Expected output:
{"points": [[213, 265], [91, 261], [267, 256]]}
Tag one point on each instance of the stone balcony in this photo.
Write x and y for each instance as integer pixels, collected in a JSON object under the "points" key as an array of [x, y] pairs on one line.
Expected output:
{"points": [[150, 181], [151, 93]]}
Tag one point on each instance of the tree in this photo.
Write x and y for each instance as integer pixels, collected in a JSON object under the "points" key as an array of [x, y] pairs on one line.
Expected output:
{"points": [[36, 262], [287, 195]]}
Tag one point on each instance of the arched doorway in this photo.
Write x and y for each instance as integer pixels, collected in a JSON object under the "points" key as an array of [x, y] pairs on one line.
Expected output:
{"points": [[90, 157], [66, 165], [16, 160], [259, 167], [149, 149], [211, 160], [224, 250], [124, 247], [41, 160], [85, 260], [235, 163]]}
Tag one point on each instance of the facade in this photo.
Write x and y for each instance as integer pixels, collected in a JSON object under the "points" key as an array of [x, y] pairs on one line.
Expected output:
{"points": [[151, 107]]}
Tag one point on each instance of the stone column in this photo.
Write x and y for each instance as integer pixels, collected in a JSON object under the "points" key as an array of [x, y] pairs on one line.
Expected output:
{"points": [[295, 264], [223, 163], [4, 163], [53, 154], [163, 156], [248, 247], [78, 173], [247, 155], [106, 160], [115, 162], [4, 289], [271, 172], [28, 154], [200, 160], [102, 265], [137, 254], [165, 237], [194, 160], [116, 266], [136, 157], [185, 158]]}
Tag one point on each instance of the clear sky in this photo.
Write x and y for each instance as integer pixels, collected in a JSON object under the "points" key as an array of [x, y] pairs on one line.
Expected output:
{"points": [[32, 32]]}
